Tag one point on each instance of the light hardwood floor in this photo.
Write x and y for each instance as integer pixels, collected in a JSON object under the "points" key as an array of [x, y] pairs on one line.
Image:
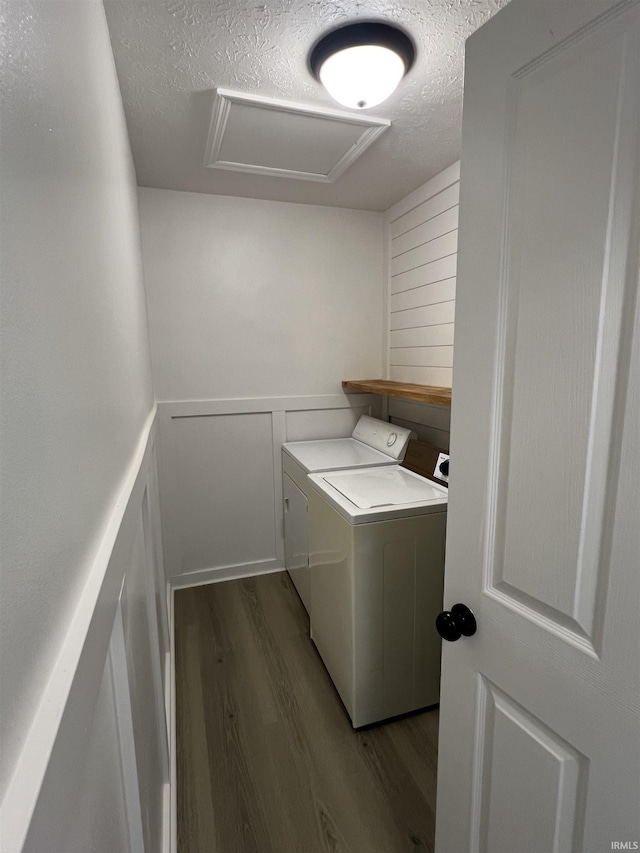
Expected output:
{"points": [[267, 760]]}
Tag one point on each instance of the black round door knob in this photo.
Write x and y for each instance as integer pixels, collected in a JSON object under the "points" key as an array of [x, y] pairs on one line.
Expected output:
{"points": [[455, 623]]}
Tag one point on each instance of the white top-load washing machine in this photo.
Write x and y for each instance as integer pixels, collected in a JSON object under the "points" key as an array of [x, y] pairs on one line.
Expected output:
{"points": [[377, 541], [372, 443]]}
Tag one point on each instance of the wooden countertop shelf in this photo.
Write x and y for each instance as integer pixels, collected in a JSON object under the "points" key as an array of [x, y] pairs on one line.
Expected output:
{"points": [[417, 393]]}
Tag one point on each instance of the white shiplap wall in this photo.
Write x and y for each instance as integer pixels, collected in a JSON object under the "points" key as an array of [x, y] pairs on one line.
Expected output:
{"points": [[422, 237]]}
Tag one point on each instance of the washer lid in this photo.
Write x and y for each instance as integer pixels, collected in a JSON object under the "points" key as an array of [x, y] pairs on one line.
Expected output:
{"points": [[361, 496], [331, 453], [378, 487]]}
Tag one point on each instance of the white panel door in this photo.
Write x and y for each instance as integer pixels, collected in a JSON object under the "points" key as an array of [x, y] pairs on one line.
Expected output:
{"points": [[540, 724]]}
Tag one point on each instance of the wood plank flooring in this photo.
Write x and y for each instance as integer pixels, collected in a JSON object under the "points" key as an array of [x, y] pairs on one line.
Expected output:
{"points": [[267, 760]]}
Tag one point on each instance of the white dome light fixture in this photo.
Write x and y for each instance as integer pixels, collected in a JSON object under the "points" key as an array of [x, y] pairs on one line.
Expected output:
{"points": [[361, 64]]}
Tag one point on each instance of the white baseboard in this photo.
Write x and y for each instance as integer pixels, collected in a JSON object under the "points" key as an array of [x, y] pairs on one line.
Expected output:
{"points": [[225, 573], [166, 818], [173, 775], [167, 692]]}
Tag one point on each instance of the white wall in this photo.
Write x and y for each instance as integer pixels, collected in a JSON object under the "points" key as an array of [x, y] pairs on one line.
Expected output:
{"points": [[258, 310], [253, 298], [76, 403], [422, 234]]}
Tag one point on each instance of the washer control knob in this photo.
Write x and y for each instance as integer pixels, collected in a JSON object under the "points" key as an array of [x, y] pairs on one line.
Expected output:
{"points": [[441, 467], [391, 439]]}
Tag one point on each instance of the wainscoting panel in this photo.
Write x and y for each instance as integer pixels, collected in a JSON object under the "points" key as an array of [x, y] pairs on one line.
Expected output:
{"points": [[306, 425], [85, 808], [224, 481], [94, 770], [221, 477], [145, 690]]}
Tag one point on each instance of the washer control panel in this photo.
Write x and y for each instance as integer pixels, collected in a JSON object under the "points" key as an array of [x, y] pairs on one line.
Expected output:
{"points": [[441, 470], [428, 461]]}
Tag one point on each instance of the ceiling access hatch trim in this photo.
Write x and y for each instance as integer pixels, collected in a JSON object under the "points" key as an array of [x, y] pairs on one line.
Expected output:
{"points": [[261, 136]]}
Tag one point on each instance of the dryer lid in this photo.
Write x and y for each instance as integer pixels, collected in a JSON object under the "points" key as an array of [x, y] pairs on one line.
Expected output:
{"points": [[379, 487], [334, 453]]}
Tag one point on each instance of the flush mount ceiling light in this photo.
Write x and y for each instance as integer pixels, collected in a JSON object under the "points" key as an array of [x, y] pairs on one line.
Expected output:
{"points": [[361, 64]]}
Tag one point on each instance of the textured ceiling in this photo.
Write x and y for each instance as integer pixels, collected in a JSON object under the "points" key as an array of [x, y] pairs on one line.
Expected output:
{"points": [[170, 54]]}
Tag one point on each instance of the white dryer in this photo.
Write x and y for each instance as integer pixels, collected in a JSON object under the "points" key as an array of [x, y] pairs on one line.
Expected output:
{"points": [[372, 443], [376, 555]]}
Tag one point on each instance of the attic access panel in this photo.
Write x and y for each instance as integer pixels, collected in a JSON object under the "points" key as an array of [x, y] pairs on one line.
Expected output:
{"points": [[265, 136]]}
